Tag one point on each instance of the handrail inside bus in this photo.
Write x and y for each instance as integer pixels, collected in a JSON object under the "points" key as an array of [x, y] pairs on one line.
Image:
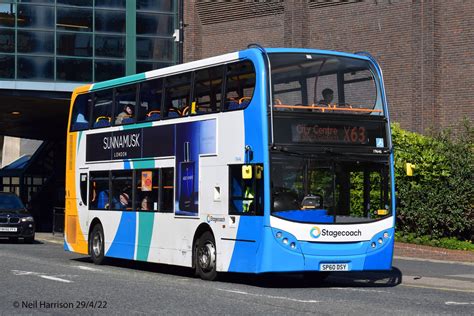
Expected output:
{"points": [[325, 108]]}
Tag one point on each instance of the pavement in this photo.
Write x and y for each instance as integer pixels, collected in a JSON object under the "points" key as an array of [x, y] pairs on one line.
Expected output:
{"points": [[402, 251]]}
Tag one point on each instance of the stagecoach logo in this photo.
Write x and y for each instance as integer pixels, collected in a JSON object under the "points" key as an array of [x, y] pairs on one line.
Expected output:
{"points": [[211, 218], [315, 232]]}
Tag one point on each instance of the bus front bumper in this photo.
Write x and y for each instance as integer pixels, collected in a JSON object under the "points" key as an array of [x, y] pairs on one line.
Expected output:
{"points": [[291, 255]]}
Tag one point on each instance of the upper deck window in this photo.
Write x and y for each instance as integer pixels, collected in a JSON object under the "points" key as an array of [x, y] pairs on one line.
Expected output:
{"points": [[240, 85], [102, 109], [207, 90], [324, 83], [125, 101], [177, 95], [80, 112]]}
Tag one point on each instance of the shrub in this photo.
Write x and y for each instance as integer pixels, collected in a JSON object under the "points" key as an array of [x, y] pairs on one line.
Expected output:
{"points": [[448, 243], [438, 200]]}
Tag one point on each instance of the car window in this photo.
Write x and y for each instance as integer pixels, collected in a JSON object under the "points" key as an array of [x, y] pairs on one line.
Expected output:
{"points": [[10, 202]]}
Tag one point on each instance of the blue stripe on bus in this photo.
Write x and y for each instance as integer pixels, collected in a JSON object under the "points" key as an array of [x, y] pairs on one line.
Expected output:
{"points": [[244, 257], [256, 136], [315, 51], [66, 247], [256, 123], [123, 245], [127, 165]]}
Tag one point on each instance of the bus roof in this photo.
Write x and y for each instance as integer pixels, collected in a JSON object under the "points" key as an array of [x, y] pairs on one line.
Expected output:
{"points": [[194, 65]]}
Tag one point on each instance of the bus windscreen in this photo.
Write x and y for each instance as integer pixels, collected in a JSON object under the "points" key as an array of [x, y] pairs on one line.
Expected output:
{"points": [[324, 84]]}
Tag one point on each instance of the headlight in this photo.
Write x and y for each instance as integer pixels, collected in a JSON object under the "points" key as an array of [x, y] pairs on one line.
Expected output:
{"points": [[28, 219]]}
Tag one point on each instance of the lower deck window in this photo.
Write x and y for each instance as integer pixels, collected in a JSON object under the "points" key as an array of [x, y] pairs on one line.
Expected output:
{"points": [[130, 190]]}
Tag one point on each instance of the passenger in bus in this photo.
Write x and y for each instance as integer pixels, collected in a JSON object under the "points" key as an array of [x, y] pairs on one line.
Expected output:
{"points": [[146, 204], [126, 113], [328, 96], [123, 201], [103, 199]]}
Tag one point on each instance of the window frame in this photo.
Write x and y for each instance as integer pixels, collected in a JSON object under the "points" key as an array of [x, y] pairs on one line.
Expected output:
{"points": [[110, 110], [226, 86], [222, 87], [259, 208], [139, 96], [87, 114], [116, 106], [134, 192]]}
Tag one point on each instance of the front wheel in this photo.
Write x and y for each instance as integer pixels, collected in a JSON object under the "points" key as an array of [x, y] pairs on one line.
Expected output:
{"points": [[30, 240], [206, 257], [96, 244]]}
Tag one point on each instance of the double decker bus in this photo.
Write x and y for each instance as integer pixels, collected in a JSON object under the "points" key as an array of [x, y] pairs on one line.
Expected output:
{"points": [[263, 160]]}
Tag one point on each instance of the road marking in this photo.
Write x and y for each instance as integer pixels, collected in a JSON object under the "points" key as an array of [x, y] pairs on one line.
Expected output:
{"points": [[18, 272], [88, 268], [54, 278], [436, 288], [41, 275], [459, 303], [269, 296], [356, 289]]}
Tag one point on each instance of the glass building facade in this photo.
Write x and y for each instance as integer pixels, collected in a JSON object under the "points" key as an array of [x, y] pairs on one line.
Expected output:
{"points": [[85, 40]]}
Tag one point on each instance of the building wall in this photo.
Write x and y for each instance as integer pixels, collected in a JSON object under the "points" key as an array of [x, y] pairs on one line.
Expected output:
{"points": [[11, 150], [425, 47]]}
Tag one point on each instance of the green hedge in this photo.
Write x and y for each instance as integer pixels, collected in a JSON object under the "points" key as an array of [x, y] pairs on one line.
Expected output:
{"points": [[438, 200], [448, 243]]}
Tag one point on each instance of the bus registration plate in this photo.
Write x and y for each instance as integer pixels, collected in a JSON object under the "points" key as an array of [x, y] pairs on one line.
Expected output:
{"points": [[334, 267]]}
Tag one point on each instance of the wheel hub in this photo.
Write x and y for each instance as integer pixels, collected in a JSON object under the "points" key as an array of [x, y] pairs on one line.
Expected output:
{"points": [[97, 244], [207, 256]]}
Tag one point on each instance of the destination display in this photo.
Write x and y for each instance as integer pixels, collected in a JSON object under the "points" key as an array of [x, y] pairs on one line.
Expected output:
{"points": [[304, 131]]}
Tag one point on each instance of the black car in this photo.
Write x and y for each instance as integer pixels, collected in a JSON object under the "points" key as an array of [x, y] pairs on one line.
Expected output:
{"points": [[15, 221]]}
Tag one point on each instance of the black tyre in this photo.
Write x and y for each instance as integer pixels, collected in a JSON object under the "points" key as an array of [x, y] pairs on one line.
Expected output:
{"points": [[96, 244], [29, 240], [206, 257]]}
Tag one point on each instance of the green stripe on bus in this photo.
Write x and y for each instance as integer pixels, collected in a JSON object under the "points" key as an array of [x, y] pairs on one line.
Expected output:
{"points": [[118, 82], [79, 141], [145, 230], [143, 164], [138, 125]]}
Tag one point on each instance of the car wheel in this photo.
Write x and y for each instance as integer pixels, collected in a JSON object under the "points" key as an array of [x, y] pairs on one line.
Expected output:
{"points": [[206, 257], [13, 239], [96, 244], [29, 240]]}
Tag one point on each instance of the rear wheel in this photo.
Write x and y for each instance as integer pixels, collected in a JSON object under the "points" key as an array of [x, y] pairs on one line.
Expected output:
{"points": [[96, 244], [206, 257]]}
